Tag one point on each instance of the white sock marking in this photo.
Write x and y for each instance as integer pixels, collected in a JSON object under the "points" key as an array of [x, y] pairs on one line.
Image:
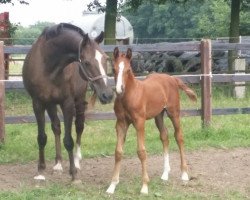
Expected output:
{"points": [[58, 167], [166, 167], [40, 177], [98, 57], [184, 176], [78, 157], [144, 189], [112, 187], [119, 78]]}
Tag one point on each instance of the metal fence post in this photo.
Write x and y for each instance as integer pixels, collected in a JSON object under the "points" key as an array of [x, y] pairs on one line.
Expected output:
{"points": [[206, 82]]}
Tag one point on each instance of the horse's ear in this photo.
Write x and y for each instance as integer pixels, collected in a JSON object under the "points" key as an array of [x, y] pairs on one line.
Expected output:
{"points": [[99, 38], [129, 53], [116, 52], [85, 39]]}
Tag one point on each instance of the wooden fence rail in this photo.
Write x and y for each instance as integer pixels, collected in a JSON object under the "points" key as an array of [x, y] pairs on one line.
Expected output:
{"points": [[205, 79]]}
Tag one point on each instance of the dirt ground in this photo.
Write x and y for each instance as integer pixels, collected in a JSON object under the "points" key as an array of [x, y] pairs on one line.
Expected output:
{"points": [[213, 169]]}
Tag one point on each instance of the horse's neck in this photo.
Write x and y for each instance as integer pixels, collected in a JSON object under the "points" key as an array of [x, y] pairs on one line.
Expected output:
{"points": [[56, 61], [132, 84]]}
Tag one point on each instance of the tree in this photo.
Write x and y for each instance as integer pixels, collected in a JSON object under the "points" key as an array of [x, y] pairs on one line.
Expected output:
{"points": [[110, 21], [13, 1]]}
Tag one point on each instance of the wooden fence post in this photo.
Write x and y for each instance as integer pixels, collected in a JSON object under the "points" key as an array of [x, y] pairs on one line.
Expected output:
{"points": [[206, 82], [2, 94]]}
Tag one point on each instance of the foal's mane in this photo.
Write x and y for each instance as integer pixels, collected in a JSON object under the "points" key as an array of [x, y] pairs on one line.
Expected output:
{"points": [[53, 31]]}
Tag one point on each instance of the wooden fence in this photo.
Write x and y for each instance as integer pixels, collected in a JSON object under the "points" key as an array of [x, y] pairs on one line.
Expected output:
{"points": [[205, 79]]}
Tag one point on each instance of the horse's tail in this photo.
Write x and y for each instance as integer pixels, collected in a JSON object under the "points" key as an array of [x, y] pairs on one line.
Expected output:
{"points": [[190, 93]]}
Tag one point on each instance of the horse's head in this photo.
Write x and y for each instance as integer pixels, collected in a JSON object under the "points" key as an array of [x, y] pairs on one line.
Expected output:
{"points": [[94, 66], [122, 69]]}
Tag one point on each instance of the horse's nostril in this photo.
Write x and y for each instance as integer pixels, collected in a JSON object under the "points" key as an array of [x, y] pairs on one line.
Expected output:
{"points": [[107, 96]]}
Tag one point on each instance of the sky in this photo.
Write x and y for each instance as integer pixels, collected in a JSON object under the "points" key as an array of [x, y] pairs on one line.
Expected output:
{"points": [[45, 10]]}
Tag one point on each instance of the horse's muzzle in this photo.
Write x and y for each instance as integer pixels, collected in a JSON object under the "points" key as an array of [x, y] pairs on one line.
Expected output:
{"points": [[106, 96]]}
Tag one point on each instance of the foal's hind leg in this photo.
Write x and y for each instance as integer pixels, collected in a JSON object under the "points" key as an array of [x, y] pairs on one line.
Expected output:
{"points": [[174, 115], [165, 142], [79, 124], [121, 131], [55, 125], [39, 111]]}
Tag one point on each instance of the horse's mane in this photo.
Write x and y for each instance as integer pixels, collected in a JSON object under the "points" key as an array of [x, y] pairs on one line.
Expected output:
{"points": [[53, 31]]}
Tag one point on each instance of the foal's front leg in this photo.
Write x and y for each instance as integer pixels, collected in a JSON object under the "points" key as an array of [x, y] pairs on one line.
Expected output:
{"points": [[121, 131], [142, 154]]}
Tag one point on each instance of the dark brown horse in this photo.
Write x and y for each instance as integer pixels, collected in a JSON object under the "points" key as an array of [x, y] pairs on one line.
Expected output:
{"points": [[138, 101], [56, 71]]}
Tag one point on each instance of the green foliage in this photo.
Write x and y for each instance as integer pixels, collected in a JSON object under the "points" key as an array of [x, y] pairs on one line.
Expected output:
{"points": [[27, 35], [194, 19]]}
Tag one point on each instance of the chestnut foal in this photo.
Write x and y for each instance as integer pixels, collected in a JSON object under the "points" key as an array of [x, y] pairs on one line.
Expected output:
{"points": [[138, 101]]}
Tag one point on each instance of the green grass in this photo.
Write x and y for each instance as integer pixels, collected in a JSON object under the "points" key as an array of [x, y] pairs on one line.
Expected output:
{"points": [[226, 132]]}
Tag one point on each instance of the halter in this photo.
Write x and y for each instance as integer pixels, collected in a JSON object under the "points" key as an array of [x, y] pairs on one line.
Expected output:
{"points": [[83, 69]]}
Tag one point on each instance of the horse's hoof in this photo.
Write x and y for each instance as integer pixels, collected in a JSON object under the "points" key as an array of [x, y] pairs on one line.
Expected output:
{"points": [[39, 178]]}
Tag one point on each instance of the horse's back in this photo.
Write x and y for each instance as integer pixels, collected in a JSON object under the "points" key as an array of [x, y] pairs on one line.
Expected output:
{"points": [[157, 81], [50, 86]]}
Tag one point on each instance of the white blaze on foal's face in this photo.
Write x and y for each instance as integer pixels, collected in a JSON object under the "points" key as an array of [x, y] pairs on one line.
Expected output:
{"points": [[98, 57], [119, 78]]}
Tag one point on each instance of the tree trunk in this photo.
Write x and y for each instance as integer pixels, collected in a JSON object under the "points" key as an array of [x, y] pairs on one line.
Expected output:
{"points": [[234, 32], [110, 21]]}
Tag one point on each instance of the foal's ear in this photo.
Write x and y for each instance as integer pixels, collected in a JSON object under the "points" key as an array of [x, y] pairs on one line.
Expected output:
{"points": [[116, 52], [129, 53], [85, 39], [99, 38]]}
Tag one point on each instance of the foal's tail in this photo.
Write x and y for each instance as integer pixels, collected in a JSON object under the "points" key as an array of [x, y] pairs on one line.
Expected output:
{"points": [[190, 93]]}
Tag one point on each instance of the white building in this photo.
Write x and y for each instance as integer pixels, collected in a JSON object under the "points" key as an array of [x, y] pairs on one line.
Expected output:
{"points": [[93, 23]]}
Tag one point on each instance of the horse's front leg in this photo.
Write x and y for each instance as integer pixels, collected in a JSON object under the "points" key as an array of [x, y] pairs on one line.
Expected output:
{"points": [[142, 154], [121, 131], [79, 124], [68, 110], [39, 111], [56, 128]]}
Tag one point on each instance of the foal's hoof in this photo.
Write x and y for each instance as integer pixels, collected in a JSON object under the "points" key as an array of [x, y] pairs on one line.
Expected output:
{"points": [[144, 190], [184, 176], [164, 176]]}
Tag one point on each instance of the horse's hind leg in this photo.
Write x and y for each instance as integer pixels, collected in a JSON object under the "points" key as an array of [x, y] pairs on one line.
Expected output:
{"points": [[165, 142], [121, 131], [79, 124], [174, 115], [39, 110], [55, 125]]}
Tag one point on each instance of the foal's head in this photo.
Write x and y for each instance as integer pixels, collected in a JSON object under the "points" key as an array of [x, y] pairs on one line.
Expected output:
{"points": [[122, 69]]}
